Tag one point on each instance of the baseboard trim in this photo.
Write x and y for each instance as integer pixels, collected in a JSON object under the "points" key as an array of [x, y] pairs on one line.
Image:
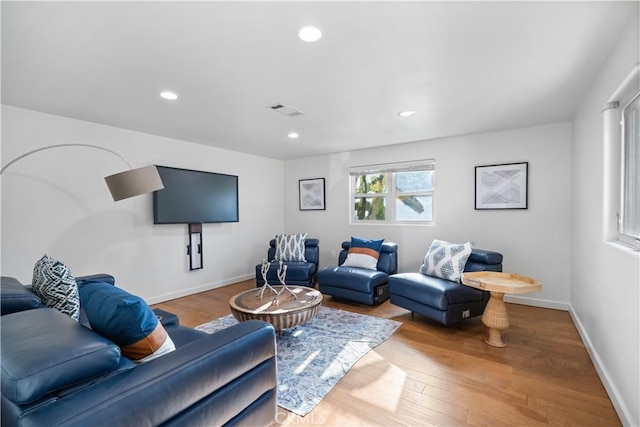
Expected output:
{"points": [[536, 302], [195, 290], [614, 395]]}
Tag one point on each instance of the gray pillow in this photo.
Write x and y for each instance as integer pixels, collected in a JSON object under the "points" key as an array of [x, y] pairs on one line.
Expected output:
{"points": [[290, 247], [446, 260]]}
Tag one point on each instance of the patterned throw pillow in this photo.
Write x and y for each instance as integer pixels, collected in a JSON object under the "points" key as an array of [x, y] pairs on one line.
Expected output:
{"points": [[126, 320], [56, 287], [446, 260], [363, 253], [290, 247]]}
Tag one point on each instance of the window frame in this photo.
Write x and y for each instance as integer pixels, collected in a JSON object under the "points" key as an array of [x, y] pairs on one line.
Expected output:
{"points": [[390, 195], [616, 169], [626, 170]]}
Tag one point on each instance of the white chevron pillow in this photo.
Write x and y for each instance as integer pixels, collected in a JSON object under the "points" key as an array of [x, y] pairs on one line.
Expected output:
{"points": [[446, 260]]}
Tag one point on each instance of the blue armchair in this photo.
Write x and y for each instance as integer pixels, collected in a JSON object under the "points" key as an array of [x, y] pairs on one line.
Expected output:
{"points": [[360, 284], [442, 300], [299, 273]]}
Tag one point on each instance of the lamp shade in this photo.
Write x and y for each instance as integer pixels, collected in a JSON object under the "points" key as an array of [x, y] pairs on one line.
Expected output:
{"points": [[134, 182]]}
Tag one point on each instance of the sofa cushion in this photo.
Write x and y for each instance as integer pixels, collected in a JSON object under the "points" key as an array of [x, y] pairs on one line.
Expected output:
{"points": [[363, 253], [15, 297], [56, 287], [290, 247], [125, 319], [431, 291], [353, 278], [446, 260], [44, 350]]}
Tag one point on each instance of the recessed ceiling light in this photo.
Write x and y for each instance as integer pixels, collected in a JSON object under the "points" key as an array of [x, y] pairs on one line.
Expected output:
{"points": [[310, 34], [293, 135], [406, 113], [169, 95]]}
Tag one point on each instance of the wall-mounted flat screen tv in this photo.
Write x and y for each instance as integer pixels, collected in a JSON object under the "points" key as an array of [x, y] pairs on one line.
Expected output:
{"points": [[191, 197]]}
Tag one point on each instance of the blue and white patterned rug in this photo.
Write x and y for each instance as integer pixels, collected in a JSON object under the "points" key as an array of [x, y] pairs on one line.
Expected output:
{"points": [[314, 356]]}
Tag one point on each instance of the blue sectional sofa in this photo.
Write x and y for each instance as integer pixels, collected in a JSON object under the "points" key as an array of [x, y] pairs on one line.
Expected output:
{"points": [[55, 371], [360, 284], [441, 300]]}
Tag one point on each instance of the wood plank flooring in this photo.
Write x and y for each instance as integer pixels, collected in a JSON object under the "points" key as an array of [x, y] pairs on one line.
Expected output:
{"points": [[427, 374]]}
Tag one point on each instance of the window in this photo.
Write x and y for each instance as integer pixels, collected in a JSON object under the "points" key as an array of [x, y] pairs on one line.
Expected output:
{"points": [[629, 220], [393, 193], [622, 159]]}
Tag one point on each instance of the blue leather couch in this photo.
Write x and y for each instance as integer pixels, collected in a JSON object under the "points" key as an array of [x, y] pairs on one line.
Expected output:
{"points": [[359, 284], [299, 273], [227, 378], [439, 299]]}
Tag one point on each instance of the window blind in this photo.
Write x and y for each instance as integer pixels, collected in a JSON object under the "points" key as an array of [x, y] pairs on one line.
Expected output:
{"points": [[409, 166]]}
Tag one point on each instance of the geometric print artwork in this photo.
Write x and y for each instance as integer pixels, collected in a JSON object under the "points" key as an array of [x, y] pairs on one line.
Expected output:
{"points": [[56, 286], [446, 260], [502, 186], [290, 247], [312, 194]]}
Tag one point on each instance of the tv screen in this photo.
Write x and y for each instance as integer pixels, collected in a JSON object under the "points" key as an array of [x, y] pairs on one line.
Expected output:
{"points": [[191, 197]]}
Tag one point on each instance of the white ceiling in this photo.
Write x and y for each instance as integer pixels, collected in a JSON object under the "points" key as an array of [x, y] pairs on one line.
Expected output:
{"points": [[464, 67]]}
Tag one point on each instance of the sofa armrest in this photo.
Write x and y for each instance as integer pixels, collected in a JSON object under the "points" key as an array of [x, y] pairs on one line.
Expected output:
{"points": [[15, 296], [100, 277], [213, 378]]}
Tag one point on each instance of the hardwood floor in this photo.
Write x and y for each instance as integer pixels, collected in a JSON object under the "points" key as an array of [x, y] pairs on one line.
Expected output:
{"points": [[427, 374]]}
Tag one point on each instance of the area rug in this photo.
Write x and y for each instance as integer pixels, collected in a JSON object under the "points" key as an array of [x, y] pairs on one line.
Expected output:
{"points": [[314, 356]]}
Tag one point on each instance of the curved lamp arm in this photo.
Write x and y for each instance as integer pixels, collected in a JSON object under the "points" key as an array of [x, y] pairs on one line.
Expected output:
{"points": [[132, 182], [27, 154]]}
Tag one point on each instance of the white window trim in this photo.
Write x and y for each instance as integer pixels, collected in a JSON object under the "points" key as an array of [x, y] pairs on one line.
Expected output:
{"points": [[391, 169], [614, 143]]}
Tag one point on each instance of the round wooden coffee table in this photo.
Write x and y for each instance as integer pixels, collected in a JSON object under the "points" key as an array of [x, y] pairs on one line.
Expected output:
{"points": [[287, 312], [495, 315]]}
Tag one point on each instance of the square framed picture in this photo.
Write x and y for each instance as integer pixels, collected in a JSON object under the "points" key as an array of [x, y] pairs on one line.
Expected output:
{"points": [[502, 186], [312, 194]]}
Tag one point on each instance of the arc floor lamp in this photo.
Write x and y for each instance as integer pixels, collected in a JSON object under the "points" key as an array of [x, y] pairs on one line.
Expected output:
{"points": [[122, 185]]}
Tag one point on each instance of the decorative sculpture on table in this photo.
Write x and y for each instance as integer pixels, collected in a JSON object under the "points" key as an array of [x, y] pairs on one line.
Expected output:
{"points": [[263, 270], [282, 272]]}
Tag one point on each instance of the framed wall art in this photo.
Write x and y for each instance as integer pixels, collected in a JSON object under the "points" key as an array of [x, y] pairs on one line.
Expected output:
{"points": [[502, 186], [312, 194]]}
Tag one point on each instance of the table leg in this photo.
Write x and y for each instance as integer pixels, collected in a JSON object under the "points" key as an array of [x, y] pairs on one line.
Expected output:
{"points": [[496, 319]]}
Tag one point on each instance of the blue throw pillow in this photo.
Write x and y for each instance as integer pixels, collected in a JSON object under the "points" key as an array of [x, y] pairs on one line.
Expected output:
{"points": [[126, 320], [363, 253]]}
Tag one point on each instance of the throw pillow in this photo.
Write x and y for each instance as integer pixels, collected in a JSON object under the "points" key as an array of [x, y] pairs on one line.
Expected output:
{"points": [[56, 287], [363, 253], [126, 320], [290, 247], [446, 260]]}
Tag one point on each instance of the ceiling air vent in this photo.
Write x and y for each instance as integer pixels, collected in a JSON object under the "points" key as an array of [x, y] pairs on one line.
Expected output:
{"points": [[287, 111]]}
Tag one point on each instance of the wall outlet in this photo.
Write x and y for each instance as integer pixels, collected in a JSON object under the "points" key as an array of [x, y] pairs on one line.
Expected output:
{"points": [[466, 313]]}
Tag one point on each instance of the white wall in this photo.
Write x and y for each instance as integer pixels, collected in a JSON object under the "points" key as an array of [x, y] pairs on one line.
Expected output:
{"points": [[605, 292], [534, 242], [56, 202]]}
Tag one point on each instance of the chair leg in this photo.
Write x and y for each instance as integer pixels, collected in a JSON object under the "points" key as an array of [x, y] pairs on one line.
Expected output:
{"points": [[459, 323]]}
